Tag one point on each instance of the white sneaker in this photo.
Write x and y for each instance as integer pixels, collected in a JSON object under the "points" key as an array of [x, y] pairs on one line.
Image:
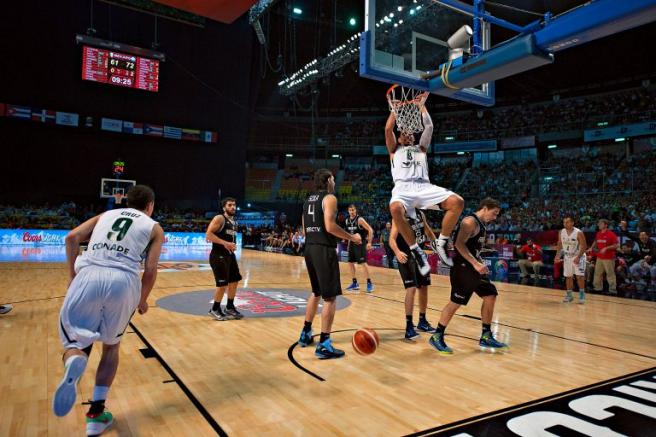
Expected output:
{"points": [[66, 392], [444, 257], [422, 261]]}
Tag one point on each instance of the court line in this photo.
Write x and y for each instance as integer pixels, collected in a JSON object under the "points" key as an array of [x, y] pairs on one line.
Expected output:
{"points": [[194, 400], [467, 316], [521, 406]]}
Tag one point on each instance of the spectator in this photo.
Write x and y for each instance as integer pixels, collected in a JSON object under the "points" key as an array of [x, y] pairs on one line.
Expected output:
{"points": [[533, 253], [605, 246]]}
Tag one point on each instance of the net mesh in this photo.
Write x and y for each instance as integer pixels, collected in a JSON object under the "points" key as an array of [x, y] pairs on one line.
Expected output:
{"points": [[406, 104]]}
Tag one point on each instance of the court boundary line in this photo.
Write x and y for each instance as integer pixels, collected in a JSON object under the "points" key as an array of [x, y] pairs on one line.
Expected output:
{"points": [[528, 404], [194, 400]]}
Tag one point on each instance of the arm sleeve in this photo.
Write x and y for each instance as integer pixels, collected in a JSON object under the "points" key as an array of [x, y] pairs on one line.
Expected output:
{"points": [[426, 136]]}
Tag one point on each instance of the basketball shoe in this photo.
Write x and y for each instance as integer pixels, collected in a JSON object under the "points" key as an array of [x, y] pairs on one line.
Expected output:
{"points": [[353, 287], [98, 423], [422, 260], [66, 392], [326, 351], [234, 313], [488, 342], [424, 326], [410, 333], [306, 338], [437, 341]]}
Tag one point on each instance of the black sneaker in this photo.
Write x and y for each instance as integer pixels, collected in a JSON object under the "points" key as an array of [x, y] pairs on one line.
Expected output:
{"points": [[410, 333], [234, 313], [424, 326], [218, 316], [326, 351], [422, 261]]}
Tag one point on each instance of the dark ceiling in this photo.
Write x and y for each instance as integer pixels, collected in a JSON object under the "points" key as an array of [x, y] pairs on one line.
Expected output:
{"points": [[293, 40]]}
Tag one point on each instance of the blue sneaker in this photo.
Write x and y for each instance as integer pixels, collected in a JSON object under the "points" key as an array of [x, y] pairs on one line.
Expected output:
{"points": [[488, 342], [568, 297], [410, 333], [306, 338], [581, 297], [326, 351], [64, 398], [353, 287], [424, 326], [437, 341], [370, 287]]}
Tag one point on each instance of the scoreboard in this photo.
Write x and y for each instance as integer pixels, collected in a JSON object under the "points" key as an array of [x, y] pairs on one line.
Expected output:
{"points": [[121, 69]]}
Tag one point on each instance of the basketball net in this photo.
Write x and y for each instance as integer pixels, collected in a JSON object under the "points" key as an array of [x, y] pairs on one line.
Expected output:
{"points": [[118, 198], [406, 107]]}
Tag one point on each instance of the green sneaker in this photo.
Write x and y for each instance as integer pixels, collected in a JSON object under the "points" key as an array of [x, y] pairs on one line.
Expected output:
{"points": [[98, 423]]}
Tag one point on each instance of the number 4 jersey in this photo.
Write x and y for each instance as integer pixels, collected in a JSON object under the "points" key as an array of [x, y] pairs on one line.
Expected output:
{"points": [[315, 228], [120, 239]]}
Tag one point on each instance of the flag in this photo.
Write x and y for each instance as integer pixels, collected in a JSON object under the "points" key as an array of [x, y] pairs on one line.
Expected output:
{"points": [[133, 128], [43, 115], [172, 132], [153, 130], [191, 134], [19, 112], [111, 124], [209, 137], [67, 118]]}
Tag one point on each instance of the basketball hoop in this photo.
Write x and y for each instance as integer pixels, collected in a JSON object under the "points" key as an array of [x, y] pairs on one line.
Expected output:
{"points": [[406, 108], [118, 198]]}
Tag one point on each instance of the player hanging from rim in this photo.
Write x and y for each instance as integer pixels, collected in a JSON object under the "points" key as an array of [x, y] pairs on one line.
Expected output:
{"points": [[321, 235], [412, 187], [572, 244], [222, 232], [470, 275], [104, 292], [358, 252], [412, 279]]}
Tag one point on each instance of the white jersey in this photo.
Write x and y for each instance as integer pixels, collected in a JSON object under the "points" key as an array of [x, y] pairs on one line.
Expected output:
{"points": [[409, 164], [570, 242], [119, 240]]}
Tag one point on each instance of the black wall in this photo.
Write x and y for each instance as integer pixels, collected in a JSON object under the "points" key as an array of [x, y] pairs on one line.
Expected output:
{"points": [[207, 82]]}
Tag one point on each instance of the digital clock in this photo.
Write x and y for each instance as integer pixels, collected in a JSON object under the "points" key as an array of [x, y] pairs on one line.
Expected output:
{"points": [[121, 69]]}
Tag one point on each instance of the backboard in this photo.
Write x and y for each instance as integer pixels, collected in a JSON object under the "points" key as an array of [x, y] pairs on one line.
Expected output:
{"points": [[405, 39], [112, 187]]}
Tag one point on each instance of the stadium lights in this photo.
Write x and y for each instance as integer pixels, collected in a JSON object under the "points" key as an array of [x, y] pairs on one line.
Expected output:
{"points": [[449, 138], [619, 140], [460, 153], [602, 123], [353, 21], [336, 156], [552, 146], [248, 205], [289, 155], [297, 11]]}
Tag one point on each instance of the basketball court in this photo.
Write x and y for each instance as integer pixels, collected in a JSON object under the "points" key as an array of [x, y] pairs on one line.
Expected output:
{"points": [[186, 374]]}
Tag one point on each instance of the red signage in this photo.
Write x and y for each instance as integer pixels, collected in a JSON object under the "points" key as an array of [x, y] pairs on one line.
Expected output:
{"points": [[121, 69]]}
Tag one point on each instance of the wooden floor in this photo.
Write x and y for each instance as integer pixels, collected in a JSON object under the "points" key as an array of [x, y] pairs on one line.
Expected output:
{"points": [[240, 374]]}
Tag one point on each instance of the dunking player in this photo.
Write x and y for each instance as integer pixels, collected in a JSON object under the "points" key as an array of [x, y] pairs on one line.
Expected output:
{"points": [[572, 244], [412, 279], [321, 234], [222, 232], [469, 275], [412, 188], [358, 253], [103, 294]]}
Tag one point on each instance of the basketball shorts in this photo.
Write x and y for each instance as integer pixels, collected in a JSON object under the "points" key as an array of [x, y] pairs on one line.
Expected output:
{"points": [[570, 269], [419, 195], [98, 306], [225, 268], [411, 276], [465, 281], [357, 253], [323, 268]]}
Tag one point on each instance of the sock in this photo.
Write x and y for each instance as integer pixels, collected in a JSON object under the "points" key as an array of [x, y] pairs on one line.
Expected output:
{"points": [[414, 246], [422, 317], [442, 240], [408, 320], [487, 328], [216, 306], [440, 329], [231, 304], [96, 408], [307, 326], [100, 393], [368, 280], [324, 336], [355, 280]]}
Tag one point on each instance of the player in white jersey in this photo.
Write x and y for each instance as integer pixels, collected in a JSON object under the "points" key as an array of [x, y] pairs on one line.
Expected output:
{"points": [[572, 244], [103, 294], [413, 190]]}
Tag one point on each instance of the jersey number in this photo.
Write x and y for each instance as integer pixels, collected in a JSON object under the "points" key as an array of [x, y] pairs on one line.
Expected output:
{"points": [[119, 229], [311, 211]]}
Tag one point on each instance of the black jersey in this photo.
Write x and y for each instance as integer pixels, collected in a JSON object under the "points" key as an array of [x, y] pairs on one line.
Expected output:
{"points": [[315, 227], [475, 243], [227, 233], [418, 227], [352, 226]]}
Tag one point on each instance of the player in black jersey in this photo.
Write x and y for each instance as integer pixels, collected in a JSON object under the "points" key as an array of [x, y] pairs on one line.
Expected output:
{"points": [[358, 253], [222, 232], [469, 275], [321, 235], [410, 274]]}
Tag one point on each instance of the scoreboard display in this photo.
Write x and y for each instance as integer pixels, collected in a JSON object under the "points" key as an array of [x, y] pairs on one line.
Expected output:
{"points": [[121, 69]]}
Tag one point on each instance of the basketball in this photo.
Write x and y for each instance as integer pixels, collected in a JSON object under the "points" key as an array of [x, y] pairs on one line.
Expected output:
{"points": [[365, 341]]}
